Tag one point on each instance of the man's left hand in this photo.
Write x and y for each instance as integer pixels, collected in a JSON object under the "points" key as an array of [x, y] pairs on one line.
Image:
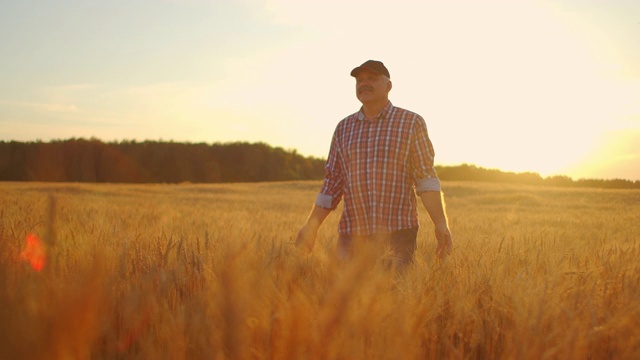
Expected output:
{"points": [[445, 242]]}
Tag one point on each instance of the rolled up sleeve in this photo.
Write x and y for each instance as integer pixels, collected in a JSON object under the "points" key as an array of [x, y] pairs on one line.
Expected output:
{"points": [[325, 201], [422, 157], [333, 187], [427, 184]]}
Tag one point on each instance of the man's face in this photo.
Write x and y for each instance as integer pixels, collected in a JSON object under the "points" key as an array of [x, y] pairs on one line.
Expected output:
{"points": [[372, 87]]}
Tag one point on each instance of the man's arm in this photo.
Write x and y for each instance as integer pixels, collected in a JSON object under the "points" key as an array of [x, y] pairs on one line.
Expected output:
{"points": [[307, 235], [433, 201]]}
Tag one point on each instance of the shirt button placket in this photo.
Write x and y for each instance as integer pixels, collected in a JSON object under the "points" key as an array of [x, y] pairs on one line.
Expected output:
{"points": [[373, 151]]}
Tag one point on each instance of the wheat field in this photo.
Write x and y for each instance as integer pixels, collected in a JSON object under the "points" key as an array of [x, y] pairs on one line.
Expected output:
{"points": [[210, 272]]}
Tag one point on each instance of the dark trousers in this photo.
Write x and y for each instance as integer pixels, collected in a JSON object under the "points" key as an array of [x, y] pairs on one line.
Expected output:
{"points": [[394, 249]]}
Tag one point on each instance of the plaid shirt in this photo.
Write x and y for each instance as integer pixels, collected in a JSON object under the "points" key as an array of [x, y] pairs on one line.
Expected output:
{"points": [[377, 166]]}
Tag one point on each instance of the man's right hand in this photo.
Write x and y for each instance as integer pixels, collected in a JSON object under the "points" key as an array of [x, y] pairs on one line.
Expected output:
{"points": [[307, 235], [306, 238]]}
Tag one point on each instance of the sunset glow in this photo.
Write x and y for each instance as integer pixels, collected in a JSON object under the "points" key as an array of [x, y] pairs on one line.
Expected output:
{"points": [[526, 85]]}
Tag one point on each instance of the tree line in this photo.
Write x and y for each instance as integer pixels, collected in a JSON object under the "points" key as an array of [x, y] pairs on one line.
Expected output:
{"points": [[80, 160], [129, 161], [466, 172]]}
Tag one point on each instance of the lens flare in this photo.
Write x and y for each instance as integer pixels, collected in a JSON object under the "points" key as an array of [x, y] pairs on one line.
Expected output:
{"points": [[34, 252]]}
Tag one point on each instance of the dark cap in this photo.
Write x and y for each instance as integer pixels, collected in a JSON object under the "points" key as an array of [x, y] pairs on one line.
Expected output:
{"points": [[373, 66]]}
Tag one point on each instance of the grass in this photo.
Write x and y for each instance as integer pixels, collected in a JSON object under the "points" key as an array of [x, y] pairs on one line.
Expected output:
{"points": [[209, 271]]}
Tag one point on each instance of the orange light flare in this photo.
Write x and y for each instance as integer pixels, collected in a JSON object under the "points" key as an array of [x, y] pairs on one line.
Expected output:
{"points": [[34, 252]]}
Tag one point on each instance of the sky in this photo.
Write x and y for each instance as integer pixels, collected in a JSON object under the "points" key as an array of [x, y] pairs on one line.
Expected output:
{"points": [[549, 86]]}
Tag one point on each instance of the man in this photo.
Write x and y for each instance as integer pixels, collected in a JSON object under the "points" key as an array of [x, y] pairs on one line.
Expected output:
{"points": [[380, 157]]}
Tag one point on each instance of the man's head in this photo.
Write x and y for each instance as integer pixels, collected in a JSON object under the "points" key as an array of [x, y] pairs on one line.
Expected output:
{"points": [[373, 82]]}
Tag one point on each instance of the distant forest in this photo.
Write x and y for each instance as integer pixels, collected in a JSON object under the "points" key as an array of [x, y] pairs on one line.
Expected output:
{"points": [[129, 161], [80, 160]]}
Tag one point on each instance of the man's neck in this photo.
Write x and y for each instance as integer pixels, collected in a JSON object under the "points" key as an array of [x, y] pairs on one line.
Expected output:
{"points": [[371, 110]]}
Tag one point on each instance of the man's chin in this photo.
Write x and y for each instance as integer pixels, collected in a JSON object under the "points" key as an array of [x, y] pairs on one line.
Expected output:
{"points": [[365, 96]]}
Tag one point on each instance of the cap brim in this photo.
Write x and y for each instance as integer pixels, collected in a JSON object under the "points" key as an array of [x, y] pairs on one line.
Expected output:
{"points": [[355, 71]]}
